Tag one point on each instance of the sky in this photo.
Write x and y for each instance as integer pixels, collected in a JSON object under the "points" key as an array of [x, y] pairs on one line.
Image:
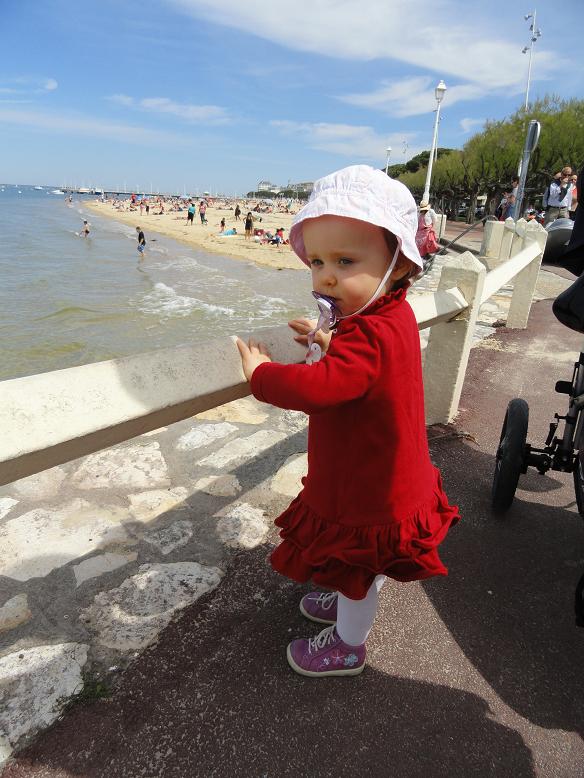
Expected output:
{"points": [[185, 95]]}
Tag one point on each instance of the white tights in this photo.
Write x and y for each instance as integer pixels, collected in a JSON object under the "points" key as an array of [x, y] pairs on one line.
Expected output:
{"points": [[355, 617]]}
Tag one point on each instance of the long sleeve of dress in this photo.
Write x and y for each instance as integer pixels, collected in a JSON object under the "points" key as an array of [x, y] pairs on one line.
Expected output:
{"points": [[347, 371]]}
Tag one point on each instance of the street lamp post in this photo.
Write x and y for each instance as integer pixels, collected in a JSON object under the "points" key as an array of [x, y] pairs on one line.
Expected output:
{"points": [[388, 152], [535, 34], [439, 94]]}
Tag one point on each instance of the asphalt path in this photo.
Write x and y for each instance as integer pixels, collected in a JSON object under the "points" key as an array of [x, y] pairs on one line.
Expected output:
{"points": [[480, 673]]}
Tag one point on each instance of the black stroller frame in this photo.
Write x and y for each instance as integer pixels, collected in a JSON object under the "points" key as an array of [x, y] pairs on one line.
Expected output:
{"points": [[562, 452]]}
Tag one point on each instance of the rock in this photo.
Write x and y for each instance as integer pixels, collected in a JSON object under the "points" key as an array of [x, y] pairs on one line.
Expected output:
{"points": [[203, 435], [6, 505], [243, 526], [243, 448], [34, 684], [146, 506], [287, 479], [131, 616], [14, 612], [169, 538], [246, 411], [41, 486], [219, 485], [292, 421], [137, 466], [100, 564], [33, 544]]}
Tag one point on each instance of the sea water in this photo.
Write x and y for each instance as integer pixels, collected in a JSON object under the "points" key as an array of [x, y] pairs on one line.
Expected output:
{"points": [[67, 300]]}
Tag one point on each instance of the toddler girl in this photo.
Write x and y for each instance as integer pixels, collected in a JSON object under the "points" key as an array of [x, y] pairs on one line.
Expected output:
{"points": [[372, 505]]}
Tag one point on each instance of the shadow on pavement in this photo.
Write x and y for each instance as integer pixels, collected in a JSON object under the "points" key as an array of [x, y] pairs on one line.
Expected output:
{"points": [[508, 601], [215, 697]]}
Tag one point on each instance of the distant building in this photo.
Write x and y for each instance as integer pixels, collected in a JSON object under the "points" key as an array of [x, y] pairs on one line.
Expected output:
{"points": [[303, 188], [267, 186]]}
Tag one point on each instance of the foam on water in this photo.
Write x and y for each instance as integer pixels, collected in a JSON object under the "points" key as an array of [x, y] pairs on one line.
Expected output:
{"points": [[165, 300]]}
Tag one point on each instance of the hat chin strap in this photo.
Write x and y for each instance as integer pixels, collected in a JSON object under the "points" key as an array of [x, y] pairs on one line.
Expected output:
{"points": [[329, 315]]}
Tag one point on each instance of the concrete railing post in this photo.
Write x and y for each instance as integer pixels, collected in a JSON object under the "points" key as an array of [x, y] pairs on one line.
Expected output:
{"points": [[526, 280], [492, 237], [450, 342], [507, 239], [441, 226]]}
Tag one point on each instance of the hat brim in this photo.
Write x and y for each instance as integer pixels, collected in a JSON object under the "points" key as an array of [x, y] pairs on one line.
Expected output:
{"points": [[341, 205]]}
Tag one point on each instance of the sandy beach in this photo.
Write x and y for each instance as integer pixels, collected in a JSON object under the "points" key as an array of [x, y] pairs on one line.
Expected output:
{"points": [[174, 225]]}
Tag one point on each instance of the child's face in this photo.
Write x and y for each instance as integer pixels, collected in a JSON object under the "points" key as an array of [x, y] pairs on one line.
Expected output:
{"points": [[348, 259]]}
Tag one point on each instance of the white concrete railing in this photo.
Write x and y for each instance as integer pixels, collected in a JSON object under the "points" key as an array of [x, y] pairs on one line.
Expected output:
{"points": [[52, 418]]}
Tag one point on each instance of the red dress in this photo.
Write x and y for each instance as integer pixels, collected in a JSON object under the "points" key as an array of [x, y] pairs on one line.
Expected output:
{"points": [[372, 501]]}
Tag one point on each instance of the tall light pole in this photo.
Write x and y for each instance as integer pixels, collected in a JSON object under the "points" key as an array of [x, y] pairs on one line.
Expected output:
{"points": [[535, 34], [388, 152], [439, 94]]}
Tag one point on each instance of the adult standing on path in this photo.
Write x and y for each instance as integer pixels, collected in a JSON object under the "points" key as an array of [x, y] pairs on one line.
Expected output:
{"points": [[426, 240], [574, 204], [557, 199]]}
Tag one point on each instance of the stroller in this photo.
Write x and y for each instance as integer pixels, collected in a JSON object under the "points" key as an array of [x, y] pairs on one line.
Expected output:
{"points": [[561, 452]]}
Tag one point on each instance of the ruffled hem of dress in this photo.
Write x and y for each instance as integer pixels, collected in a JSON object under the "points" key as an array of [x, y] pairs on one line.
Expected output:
{"points": [[347, 559]]}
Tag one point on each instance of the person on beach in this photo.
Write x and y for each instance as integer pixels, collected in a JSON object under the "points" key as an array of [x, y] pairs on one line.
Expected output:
{"points": [[372, 506], [248, 224], [191, 214], [237, 213], [147, 208], [141, 240], [222, 224], [85, 229], [203, 211]]}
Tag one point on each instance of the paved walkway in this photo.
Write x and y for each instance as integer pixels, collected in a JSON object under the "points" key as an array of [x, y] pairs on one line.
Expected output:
{"points": [[479, 673]]}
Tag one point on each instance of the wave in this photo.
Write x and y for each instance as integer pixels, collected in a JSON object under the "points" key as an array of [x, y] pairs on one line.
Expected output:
{"points": [[71, 310], [89, 315], [165, 300]]}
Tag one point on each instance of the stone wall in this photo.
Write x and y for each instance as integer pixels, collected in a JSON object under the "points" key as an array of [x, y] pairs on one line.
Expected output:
{"points": [[99, 554]]}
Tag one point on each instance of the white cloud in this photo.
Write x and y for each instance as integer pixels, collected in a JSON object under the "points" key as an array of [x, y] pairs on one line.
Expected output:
{"points": [[355, 142], [88, 126], [469, 124], [29, 85], [411, 96], [200, 114], [450, 38]]}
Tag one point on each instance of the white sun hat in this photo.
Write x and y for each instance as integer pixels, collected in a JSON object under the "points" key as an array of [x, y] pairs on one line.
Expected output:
{"points": [[364, 193]]}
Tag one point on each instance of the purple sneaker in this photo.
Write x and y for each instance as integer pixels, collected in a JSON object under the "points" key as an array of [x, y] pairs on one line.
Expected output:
{"points": [[326, 654], [320, 607]]}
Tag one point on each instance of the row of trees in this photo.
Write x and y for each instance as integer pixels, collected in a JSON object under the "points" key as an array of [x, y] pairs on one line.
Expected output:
{"points": [[488, 162]]}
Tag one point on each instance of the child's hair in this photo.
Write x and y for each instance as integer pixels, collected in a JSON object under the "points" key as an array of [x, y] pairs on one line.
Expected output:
{"points": [[413, 270]]}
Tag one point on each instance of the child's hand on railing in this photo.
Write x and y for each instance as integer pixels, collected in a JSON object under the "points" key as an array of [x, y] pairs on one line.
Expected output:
{"points": [[252, 354], [303, 327]]}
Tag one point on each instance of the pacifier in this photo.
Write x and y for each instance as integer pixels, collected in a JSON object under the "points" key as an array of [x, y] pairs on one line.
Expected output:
{"points": [[327, 320]]}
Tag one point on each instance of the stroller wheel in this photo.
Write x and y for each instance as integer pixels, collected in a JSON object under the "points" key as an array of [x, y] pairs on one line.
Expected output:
{"points": [[510, 461]]}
